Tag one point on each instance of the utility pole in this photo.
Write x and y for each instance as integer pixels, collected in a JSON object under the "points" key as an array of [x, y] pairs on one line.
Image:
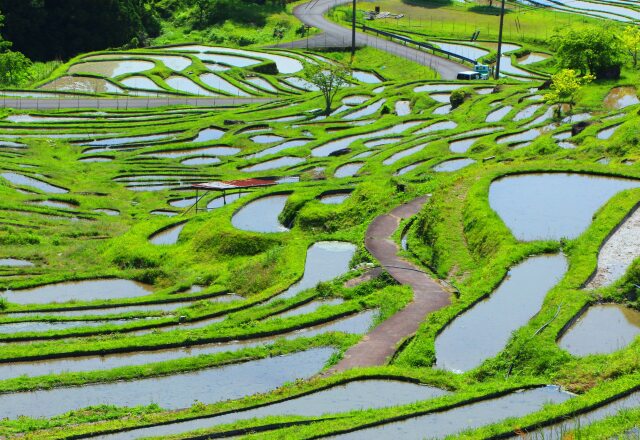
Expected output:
{"points": [[497, 73], [353, 31]]}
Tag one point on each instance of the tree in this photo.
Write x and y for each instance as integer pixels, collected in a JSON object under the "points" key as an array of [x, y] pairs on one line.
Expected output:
{"points": [[329, 79], [597, 50], [58, 29], [564, 86], [631, 42], [14, 68]]}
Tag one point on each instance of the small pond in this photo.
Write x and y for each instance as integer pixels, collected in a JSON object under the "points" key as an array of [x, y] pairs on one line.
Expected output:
{"points": [[261, 215], [602, 329], [482, 331], [551, 206], [91, 290]]}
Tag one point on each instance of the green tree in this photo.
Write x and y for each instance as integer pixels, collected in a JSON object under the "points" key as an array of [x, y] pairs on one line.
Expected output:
{"points": [[14, 68], [329, 79], [631, 42], [564, 86], [597, 50]]}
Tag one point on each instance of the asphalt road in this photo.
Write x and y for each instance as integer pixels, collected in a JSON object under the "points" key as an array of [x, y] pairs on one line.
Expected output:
{"points": [[124, 103], [312, 14]]}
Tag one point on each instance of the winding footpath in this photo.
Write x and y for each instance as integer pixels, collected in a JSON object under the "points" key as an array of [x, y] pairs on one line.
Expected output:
{"points": [[312, 14], [428, 296]]}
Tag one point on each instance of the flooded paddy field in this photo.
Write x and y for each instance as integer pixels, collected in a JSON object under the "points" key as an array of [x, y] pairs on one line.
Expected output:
{"points": [[216, 262]]}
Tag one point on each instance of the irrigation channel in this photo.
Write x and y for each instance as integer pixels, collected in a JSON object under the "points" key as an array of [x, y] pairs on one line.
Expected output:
{"points": [[260, 312]]}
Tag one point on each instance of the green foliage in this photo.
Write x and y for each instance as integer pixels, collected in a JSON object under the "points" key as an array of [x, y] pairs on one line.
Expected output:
{"points": [[457, 98], [329, 79], [597, 50], [267, 68], [564, 86], [14, 68], [256, 275], [631, 41], [45, 30]]}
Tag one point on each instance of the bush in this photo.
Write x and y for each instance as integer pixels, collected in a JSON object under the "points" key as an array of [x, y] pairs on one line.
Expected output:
{"points": [[267, 68], [457, 98]]}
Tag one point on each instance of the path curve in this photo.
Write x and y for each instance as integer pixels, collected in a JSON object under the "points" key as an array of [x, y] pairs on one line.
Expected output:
{"points": [[428, 296], [312, 14]]}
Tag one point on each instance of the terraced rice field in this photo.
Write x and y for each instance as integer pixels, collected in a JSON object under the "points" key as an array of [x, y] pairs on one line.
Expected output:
{"points": [[155, 319]]}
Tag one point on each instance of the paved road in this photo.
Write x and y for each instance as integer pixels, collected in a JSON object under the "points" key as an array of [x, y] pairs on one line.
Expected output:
{"points": [[123, 103], [312, 14], [428, 296]]}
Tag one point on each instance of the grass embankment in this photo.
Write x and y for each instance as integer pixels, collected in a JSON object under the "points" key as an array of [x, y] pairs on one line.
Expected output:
{"points": [[457, 235]]}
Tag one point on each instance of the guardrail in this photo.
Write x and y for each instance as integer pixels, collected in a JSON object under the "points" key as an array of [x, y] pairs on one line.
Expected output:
{"points": [[419, 44]]}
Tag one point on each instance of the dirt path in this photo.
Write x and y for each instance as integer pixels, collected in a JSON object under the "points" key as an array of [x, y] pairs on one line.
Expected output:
{"points": [[428, 296], [334, 35]]}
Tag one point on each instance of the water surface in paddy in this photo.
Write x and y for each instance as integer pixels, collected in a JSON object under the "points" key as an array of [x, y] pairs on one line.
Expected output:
{"points": [[607, 132], [214, 151], [402, 154], [602, 329], [352, 396], [338, 144], [184, 84], [437, 88], [473, 415], [12, 262], [266, 138], [174, 391], [527, 112], [262, 83], [438, 126], [482, 331], [310, 307], [462, 145], [217, 82], [294, 143], [81, 84], [195, 161], [621, 97], [208, 135], [261, 215], [45, 326], [380, 142], [532, 58], [325, 261], [408, 168], [631, 401], [112, 142], [443, 110], [167, 236], [403, 108], [366, 111], [225, 199], [499, 114], [140, 82], [334, 199], [452, 165], [285, 161], [464, 50], [348, 170], [112, 68], [90, 290], [366, 77], [21, 180], [358, 323], [551, 206]]}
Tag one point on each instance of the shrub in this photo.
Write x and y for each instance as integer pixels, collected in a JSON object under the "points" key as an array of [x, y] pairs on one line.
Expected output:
{"points": [[457, 98]]}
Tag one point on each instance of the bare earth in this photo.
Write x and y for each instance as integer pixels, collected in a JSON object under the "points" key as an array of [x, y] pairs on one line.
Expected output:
{"points": [[428, 296], [618, 252]]}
